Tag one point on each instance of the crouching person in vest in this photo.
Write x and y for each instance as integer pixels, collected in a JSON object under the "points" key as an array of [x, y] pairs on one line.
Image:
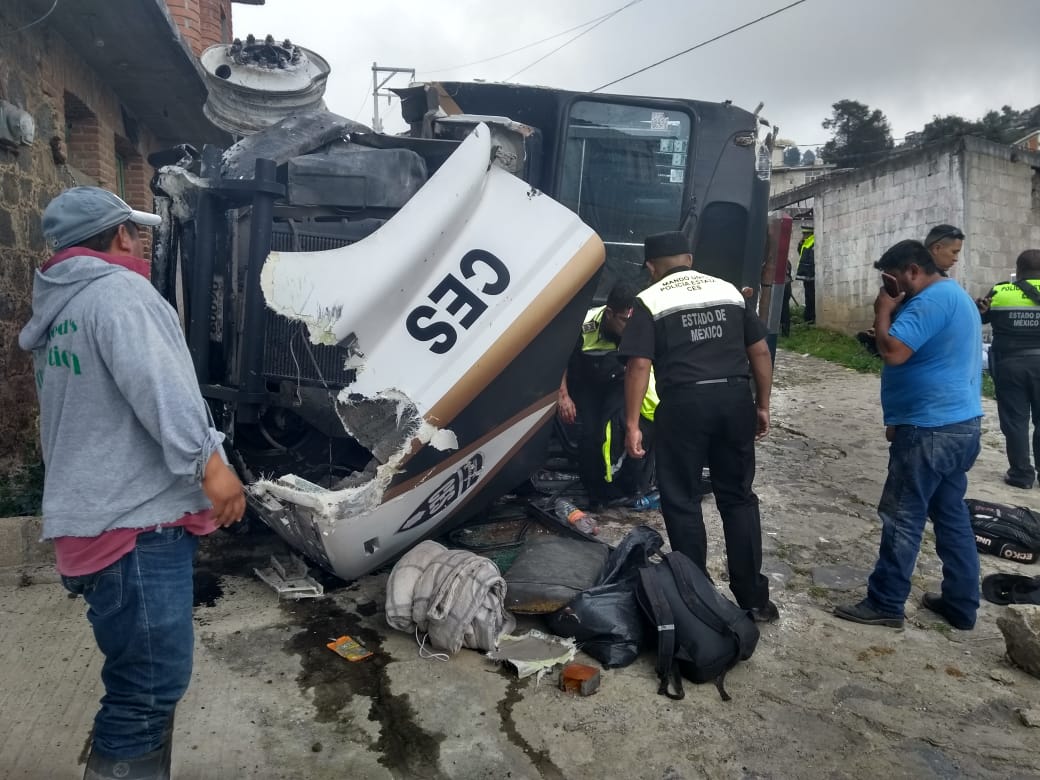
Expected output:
{"points": [[592, 394], [705, 344]]}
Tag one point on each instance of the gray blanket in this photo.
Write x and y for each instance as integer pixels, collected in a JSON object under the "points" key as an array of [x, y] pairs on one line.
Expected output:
{"points": [[454, 596]]}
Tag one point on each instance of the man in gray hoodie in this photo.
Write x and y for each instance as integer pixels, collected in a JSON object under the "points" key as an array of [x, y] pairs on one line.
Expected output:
{"points": [[134, 468]]}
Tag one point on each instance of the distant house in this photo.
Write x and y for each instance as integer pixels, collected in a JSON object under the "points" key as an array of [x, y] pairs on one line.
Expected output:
{"points": [[91, 88], [991, 191], [1031, 142], [786, 177]]}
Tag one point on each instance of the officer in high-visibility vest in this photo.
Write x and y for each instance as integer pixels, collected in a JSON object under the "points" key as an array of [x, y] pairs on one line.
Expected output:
{"points": [[1013, 309], [592, 394], [806, 272], [705, 343]]}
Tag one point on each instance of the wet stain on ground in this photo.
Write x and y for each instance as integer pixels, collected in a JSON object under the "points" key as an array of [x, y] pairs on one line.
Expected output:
{"points": [[540, 758], [207, 588], [404, 747], [368, 609]]}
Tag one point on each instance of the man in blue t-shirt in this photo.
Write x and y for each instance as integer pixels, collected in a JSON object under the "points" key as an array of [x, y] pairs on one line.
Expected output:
{"points": [[930, 395]]}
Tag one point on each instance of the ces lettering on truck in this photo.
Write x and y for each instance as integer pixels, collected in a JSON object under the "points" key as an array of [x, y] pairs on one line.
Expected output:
{"points": [[459, 297]]}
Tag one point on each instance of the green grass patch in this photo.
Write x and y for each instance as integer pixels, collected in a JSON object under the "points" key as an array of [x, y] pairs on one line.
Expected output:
{"points": [[830, 345], [841, 349]]}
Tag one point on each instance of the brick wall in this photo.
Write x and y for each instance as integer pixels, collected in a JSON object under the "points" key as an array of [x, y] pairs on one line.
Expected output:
{"points": [[79, 128], [202, 23]]}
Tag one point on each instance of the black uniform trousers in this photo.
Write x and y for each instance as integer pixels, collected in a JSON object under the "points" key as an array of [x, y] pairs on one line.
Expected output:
{"points": [[1016, 377], [713, 425], [596, 407]]}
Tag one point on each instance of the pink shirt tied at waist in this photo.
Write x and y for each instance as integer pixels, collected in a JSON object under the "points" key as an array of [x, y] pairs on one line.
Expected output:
{"points": [[77, 556]]}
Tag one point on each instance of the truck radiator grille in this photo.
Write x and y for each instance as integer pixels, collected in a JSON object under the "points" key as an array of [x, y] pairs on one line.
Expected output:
{"points": [[288, 353]]}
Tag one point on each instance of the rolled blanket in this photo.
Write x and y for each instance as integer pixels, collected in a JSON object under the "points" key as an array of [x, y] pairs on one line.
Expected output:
{"points": [[454, 596]]}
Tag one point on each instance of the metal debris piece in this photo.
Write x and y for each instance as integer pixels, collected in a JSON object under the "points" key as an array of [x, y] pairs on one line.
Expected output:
{"points": [[533, 653], [291, 579]]}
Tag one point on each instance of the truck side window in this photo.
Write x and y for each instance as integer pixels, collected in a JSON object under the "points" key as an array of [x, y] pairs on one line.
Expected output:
{"points": [[624, 171]]}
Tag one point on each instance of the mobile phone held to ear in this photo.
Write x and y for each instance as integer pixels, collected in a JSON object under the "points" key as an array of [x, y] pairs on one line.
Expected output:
{"points": [[891, 285]]}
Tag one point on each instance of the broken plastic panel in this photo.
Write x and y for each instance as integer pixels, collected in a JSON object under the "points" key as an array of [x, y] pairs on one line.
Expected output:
{"points": [[290, 579], [457, 285]]}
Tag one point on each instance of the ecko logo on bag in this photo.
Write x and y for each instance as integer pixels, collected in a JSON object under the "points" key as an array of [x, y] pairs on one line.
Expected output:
{"points": [[446, 493], [1017, 555]]}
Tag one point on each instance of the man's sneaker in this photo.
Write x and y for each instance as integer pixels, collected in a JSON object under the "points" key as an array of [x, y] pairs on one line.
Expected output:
{"points": [[765, 614], [866, 614], [934, 603]]}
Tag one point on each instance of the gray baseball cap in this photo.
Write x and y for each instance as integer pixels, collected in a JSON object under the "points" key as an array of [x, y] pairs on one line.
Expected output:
{"points": [[82, 212]]}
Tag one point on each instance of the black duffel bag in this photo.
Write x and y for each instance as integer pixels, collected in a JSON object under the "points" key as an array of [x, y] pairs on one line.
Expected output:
{"points": [[605, 619], [1009, 532]]}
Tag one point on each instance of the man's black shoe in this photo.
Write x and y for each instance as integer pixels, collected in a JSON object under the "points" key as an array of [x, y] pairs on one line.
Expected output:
{"points": [[1016, 483], [866, 614], [765, 614], [934, 602]]}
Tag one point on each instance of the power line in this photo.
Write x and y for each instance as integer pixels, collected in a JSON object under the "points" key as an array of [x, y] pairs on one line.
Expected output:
{"points": [[364, 102], [699, 45], [569, 41], [525, 46]]}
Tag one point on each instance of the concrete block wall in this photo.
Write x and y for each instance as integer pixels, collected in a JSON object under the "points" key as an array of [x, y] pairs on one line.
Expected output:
{"points": [[1002, 213], [858, 216]]}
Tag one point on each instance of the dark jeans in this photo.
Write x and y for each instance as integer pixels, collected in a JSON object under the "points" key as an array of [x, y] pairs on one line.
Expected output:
{"points": [[1017, 381], [713, 425], [140, 608], [927, 478]]}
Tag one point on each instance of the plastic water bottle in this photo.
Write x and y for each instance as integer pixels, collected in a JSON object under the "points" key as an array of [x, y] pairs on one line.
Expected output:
{"points": [[583, 521], [649, 501]]}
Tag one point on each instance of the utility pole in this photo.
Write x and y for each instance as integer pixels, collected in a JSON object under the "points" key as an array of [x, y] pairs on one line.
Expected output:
{"points": [[377, 85]]}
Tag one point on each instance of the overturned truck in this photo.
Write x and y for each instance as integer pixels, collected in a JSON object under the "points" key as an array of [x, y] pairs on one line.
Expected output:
{"points": [[380, 322]]}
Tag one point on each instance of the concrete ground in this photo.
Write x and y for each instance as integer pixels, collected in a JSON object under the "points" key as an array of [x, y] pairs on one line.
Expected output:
{"points": [[821, 698]]}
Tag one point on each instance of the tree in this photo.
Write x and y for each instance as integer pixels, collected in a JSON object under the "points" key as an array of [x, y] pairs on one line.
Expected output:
{"points": [[860, 136], [792, 156], [1004, 126], [809, 158], [943, 127]]}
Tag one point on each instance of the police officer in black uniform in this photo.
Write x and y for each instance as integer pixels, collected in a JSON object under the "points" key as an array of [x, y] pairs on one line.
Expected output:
{"points": [[705, 343]]}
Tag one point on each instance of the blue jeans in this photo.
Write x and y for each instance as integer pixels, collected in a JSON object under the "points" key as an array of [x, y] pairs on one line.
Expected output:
{"points": [[927, 478], [140, 608]]}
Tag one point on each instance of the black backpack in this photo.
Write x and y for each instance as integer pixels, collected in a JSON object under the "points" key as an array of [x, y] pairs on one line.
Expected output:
{"points": [[701, 634], [1009, 532]]}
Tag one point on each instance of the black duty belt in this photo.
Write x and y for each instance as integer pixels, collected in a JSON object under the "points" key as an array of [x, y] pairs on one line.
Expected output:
{"points": [[726, 380]]}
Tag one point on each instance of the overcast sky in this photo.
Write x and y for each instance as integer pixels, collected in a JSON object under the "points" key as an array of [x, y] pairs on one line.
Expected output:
{"points": [[913, 59]]}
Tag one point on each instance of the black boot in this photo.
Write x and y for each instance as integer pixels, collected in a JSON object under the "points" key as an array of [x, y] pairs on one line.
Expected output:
{"points": [[150, 766]]}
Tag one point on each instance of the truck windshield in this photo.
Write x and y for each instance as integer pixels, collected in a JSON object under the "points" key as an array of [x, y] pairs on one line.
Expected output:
{"points": [[624, 170]]}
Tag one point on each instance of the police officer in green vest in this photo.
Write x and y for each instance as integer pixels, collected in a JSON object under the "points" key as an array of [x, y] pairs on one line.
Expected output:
{"points": [[592, 394], [706, 343], [1013, 309], [806, 272]]}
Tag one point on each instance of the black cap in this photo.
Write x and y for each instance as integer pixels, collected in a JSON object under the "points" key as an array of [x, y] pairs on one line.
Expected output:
{"points": [[665, 245]]}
